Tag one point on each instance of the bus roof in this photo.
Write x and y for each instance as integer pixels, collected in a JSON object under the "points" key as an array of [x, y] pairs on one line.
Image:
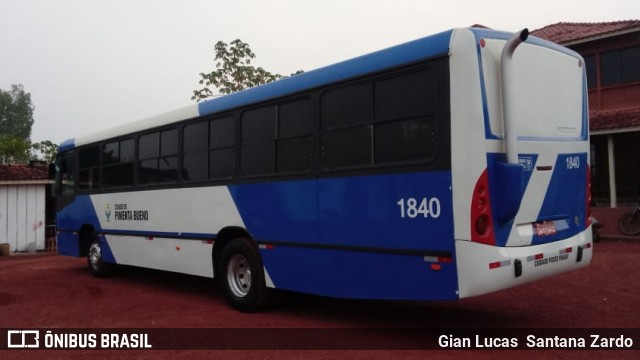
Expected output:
{"points": [[395, 56], [389, 58]]}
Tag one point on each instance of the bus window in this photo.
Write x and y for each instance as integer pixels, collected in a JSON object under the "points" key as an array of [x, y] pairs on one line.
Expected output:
{"points": [[89, 165], [222, 156], [158, 157], [118, 166], [65, 179]]}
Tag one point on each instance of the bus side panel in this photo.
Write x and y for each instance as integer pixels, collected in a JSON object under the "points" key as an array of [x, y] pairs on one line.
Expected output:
{"points": [[279, 211], [409, 211], [359, 275], [396, 211], [375, 232], [70, 220]]}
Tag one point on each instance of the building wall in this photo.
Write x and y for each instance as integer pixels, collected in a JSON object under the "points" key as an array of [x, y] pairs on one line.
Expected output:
{"points": [[22, 216], [610, 97]]}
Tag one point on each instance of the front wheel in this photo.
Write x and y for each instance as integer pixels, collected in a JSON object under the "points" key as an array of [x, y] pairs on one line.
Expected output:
{"points": [[97, 265], [242, 276], [630, 224]]}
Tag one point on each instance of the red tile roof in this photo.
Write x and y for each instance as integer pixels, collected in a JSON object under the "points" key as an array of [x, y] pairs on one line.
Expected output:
{"points": [[614, 119], [565, 32], [23, 173]]}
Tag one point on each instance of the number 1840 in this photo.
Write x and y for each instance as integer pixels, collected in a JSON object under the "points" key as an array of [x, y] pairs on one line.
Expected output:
{"points": [[425, 207]]}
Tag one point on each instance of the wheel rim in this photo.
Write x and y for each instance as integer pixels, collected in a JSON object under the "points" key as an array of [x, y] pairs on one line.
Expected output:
{"points": [[95, 255], [239, 275]]}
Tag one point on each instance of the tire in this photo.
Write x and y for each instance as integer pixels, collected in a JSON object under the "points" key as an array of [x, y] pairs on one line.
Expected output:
{"points": [[96, 264], [630, 224], [242, 276]]}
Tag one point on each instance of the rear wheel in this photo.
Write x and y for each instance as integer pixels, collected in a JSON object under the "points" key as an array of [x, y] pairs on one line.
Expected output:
{"points": [[242, 276], [630, 224], [97, 266]]}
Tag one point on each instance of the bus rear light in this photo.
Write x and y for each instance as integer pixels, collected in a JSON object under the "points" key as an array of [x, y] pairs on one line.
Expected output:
{"points": [[499, 264], [266, 246], [438, 259], [481, 217], [482, 225], [436, 267]]}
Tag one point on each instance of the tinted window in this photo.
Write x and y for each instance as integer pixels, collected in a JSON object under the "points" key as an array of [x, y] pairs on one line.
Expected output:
{"points": [[347, 106], [294, 155], [89, 164], [196, 137], [630, 60], [154, 150], [222, 163], [294, 119], [590, 63], [259, 124], [405, 96], [258, 158], [148, 171], [65, 177], [195, 166], [111, 153], [400, 129], [117, 159], [148, 146], [167, 169], [169, 142], [118, 175], [620, 66], [223, 132], [403, 141], [127, 151], [349, 147], [89, 157]]}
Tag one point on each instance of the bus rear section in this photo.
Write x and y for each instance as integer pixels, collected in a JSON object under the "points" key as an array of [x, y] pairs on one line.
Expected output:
{"points": [[520, 164]]}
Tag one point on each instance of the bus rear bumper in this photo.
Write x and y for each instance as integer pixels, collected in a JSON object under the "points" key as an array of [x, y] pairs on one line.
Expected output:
{"points": [[483, 268]]}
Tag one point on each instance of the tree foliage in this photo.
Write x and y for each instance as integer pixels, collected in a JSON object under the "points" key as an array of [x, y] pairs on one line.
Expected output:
{"points": [[44, 150], [16, 112], [13, 150], [233, 72], [16, 120]]}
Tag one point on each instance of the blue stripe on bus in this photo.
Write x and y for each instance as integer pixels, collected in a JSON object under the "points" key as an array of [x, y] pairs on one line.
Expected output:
{"points": [[359, 275], [565, 204], [411, 52], [66, 145], [505, 190], [357, 211]]}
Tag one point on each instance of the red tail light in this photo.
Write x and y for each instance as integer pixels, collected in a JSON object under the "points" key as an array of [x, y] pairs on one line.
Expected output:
{"points": [[481, 218]]}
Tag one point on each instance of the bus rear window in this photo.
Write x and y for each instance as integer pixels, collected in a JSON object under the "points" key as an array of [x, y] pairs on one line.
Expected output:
{"points": [[548, 92]]}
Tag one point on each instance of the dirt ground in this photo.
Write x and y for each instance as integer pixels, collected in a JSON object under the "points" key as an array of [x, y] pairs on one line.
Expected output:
{"points": [[47, 291]]}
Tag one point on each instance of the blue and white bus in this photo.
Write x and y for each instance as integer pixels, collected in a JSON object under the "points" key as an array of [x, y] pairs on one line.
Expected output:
{"points": [[447, 167]]}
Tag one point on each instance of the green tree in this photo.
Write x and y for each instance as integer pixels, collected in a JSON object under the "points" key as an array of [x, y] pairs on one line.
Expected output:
{"points": [[16, 112], [233, 71], [13, 150], [16, 120], [44, 150]]}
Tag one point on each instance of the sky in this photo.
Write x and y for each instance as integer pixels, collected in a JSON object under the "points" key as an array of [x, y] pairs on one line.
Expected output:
{"points": [[93, 64]]}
